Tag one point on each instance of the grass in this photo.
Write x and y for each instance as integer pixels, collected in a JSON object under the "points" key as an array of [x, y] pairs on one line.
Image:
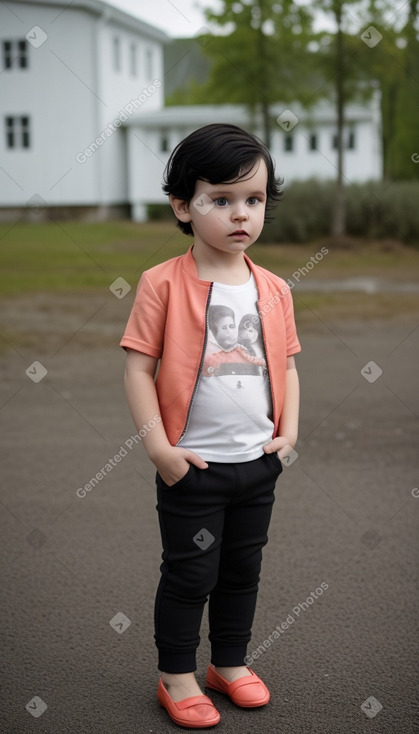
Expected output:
{"points": [[313, 308], [69, 256], [61, 257]]}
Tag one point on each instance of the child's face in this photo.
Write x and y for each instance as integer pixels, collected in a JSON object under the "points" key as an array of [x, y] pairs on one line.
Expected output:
{"points": [[229, 217]]}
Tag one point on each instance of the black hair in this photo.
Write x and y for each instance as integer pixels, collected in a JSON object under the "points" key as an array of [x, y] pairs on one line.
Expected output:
{"points": [[217, 153], [219, 312]]}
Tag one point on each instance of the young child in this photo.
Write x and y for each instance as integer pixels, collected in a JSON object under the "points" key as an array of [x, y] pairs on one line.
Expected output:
{"points": [[218, 446]]}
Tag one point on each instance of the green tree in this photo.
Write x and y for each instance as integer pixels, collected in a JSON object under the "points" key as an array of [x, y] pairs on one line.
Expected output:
{"points": [[400, 88], [337, 61], [260, 55], [336, 7], [366, 48], [265, 51]]}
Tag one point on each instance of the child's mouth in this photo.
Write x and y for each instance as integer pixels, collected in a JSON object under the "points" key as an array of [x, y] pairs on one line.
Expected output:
{"points": [[239, 233]]}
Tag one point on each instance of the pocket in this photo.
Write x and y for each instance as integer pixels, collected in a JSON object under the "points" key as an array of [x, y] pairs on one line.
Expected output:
{"points": [[183, 480], [277, 460]]}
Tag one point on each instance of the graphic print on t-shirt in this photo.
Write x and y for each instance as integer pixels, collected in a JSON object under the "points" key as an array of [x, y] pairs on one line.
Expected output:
{"points": [[231, 413], [234, 347]]}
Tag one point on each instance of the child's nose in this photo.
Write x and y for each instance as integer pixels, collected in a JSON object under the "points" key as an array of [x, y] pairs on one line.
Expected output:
{"points": [[239, 212]]}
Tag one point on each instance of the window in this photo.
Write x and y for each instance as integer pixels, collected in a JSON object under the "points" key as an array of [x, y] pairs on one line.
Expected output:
{"points": [[24, 122], [133, 67], [7, 54], [116, 54], [289, 143], [351, 140], [149, 63], [164, 142], [312, 141], [348, 139], [17, 132], [22, 54], [15, 54]]}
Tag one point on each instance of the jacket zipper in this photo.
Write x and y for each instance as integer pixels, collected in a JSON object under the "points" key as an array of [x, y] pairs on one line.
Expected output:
{"points": [[201, 364], [267, 362]]}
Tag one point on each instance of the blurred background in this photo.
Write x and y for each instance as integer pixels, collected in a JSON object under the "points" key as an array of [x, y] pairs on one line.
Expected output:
{"points": [[96, 95], [93, 97]]}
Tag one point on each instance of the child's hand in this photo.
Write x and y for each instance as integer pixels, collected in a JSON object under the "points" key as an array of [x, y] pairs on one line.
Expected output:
{"points": [[174, 462], [281, 444]]}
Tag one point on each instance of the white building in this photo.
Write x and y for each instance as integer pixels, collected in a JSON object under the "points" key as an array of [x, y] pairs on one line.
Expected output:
{"points": [[303, 143], [72, 73], [84, 131]]}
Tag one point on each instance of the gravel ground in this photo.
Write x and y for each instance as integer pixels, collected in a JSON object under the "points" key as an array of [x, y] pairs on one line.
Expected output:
{"points": [[78, 573]]}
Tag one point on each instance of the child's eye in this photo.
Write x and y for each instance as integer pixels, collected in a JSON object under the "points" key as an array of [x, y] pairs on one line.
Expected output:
{"points": [[221, 201], [252, 200]]}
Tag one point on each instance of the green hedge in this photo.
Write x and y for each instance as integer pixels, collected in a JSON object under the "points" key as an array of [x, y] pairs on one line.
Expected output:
{"points": [[160, 213], [375, 210]]}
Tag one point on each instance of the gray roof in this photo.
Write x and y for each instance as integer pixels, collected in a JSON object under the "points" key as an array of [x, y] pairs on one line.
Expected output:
{"points": [[191, 115], [109, 12], [196, 115]]}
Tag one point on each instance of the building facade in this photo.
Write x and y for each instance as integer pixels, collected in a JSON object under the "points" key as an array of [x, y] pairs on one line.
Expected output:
{"points": [[304, 143], [83, 127], [72, 75]]}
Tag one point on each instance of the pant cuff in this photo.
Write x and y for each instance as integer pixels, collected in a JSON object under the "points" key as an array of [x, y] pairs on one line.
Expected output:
{"points": [[170, 662], [228, 656]]}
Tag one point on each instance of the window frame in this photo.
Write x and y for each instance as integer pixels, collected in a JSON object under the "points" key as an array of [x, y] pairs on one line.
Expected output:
{"points": [[15, 54], [18, 132]]}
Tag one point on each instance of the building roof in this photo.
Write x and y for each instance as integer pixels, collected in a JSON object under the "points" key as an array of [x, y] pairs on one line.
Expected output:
{"points": [[107, 11], [196, 115], [190, 115]]}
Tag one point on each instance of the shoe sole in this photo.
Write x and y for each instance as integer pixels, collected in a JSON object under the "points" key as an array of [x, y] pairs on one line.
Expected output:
{"points": [[180, 722], [247, 705]]}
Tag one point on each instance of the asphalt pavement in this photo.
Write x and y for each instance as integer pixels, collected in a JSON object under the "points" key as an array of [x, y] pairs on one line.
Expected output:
{"points": [[80, 566]]}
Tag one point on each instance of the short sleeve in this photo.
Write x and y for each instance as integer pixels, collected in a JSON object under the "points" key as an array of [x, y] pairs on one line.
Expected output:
{"points": [[144, 331], [293, 345]]}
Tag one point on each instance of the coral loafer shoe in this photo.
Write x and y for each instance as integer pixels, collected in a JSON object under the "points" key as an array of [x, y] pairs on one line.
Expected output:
{"points": [[196, 712], [247, 692]]}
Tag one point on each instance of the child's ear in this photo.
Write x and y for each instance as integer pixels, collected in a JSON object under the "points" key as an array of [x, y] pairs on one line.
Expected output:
{"points": [[180, 208]]}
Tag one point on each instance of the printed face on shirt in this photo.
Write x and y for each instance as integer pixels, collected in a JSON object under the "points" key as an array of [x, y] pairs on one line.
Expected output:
{"points": [[233, 215], [247, 332], [225, 332]]}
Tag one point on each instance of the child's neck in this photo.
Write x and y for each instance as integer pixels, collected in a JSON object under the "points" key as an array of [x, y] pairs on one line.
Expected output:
{"points": [[230, 269]]}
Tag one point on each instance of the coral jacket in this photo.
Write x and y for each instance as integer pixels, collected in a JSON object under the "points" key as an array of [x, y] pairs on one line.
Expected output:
{"points": [[169, 321]]}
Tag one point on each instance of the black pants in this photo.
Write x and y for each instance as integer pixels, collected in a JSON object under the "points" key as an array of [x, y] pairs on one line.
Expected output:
{"points": [[213, 525]]}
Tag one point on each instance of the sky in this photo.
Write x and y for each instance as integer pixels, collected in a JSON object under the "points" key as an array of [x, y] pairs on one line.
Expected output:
{"points": [[178, 18], [185, 18]]}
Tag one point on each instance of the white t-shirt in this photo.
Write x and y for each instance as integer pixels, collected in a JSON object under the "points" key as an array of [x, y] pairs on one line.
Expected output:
{"points": [[231, 414]]}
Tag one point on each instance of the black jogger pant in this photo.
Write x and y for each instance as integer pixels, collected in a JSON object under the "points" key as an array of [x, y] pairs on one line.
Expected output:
{"points": [[213, 525]]}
